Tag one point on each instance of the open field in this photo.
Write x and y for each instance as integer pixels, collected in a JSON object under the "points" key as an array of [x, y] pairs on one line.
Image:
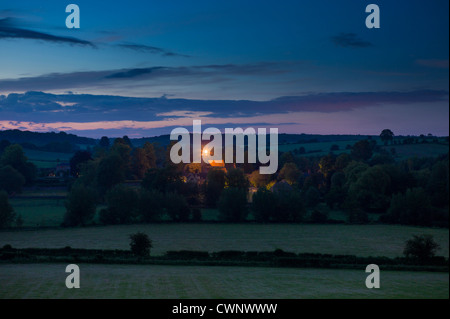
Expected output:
{"points": [[178, 282], [418, 150], [360, 240], [322, 147], [403, 151], [46, 159], [39, 212]]}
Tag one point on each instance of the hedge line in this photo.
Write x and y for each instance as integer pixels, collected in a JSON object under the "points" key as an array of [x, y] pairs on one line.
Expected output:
{"points": [[277, 258]]}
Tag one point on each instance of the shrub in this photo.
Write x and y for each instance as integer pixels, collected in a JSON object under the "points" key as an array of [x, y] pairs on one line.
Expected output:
{"points": [[421, 247], [140, 244]]}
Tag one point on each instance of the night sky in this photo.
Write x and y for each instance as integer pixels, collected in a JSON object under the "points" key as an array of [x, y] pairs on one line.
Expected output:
{"points": [[143, 67]]}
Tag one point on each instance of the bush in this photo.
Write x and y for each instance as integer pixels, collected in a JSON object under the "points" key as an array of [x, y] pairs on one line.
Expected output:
{"points": [[233, 205], [421, 247], [140, 244]]}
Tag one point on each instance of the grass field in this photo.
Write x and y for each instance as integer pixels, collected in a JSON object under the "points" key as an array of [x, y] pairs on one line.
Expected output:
{"points": [[46, 159], [360, 240], [178, 282], [324, 147], [39, 212], [403, 151], [418, 150]]}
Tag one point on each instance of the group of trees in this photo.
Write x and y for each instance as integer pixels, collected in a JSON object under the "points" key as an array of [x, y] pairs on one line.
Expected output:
{"points": [[15, 169], [365, 180]]}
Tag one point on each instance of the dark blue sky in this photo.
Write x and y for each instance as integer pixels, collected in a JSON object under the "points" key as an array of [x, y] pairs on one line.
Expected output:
{"points": [[302, 66]]}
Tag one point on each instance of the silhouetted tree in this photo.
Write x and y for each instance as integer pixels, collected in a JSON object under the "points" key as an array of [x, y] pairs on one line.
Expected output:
{"points": [[312, 197], [104, 142], [236, 178], [6, 211], [177, 207], [140, 244], [387, 136], [411, 208], [14, 156], [122, 205], [110, 172], [214, 185], [77, 159], [370, 192], [139, 163], [290, 173], [151, 205], [290, 207], [421, 247], [264, 205], [11, 180], [233, 205], [259, 180], [81, 205]]}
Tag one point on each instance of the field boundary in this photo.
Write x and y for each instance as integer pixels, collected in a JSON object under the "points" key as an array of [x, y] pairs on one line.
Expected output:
{"points": [[277, 259]]}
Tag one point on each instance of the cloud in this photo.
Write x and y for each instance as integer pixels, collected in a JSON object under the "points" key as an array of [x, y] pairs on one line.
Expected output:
{"points": [[433, 63], [152, 75], [349, 40], [8, 29], [131, 73], [84, 108], [150, 49]]}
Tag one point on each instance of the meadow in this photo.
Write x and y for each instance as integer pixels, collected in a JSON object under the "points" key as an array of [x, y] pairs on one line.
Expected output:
{"points": [[403, 151], [182, 282], [44, 159], [359, 240]]}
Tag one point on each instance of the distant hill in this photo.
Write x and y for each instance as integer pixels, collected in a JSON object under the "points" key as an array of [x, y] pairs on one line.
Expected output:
{"points": [[41, 139]]}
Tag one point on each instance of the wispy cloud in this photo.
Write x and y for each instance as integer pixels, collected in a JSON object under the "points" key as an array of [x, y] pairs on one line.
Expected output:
{"points": [[8, 29], [150, 49], [201, 73], [349, 40]]}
